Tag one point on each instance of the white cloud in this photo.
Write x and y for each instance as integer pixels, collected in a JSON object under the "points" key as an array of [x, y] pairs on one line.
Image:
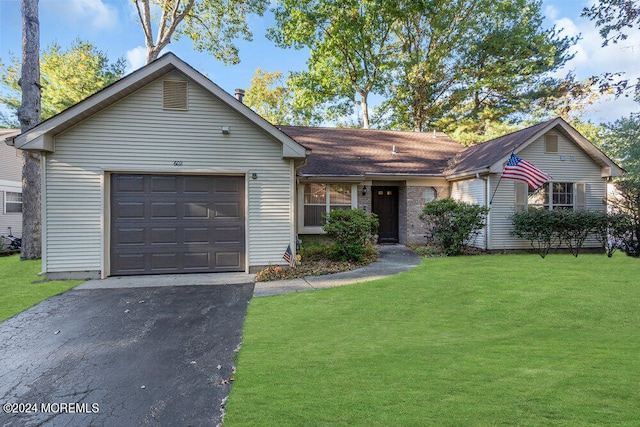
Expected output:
{"points": [[95, 14], [136, 58], [591, 58]]}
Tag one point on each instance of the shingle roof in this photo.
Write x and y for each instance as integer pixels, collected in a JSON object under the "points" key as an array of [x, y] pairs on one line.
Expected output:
{"points": [[355, 152], [484, 155]]}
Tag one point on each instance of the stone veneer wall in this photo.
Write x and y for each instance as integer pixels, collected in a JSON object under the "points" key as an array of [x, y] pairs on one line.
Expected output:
{"points": [[415, 227]]}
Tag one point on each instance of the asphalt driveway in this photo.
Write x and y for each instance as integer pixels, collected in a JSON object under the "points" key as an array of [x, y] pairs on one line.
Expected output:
{"points": [[129, 356]]}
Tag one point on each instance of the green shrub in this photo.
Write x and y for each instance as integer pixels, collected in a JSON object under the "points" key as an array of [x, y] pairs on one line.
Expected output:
{"points": [[574, 226], [453, 224], [539, 226], [610, 230], [548, 228], [353, 231]]}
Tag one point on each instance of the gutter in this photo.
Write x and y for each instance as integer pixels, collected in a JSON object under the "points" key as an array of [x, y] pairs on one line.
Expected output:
{"points": [[463, 175]]}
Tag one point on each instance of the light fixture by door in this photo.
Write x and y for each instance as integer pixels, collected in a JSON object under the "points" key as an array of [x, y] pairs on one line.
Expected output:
{"points": [[364, 190]]}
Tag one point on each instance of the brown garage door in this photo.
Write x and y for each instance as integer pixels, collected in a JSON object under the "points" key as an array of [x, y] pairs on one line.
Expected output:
{"points": [[176, 224]]}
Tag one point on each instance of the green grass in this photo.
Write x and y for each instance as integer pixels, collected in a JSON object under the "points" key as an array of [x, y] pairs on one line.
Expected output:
{"points": [[17, 290], [473, 341]]}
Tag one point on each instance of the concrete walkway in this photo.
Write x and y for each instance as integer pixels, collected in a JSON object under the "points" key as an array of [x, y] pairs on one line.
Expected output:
{"points": [[393, 259]]}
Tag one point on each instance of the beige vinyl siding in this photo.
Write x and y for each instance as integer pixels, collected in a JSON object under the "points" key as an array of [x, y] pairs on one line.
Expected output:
{"points": [[10, 163], [137, 135], [577, 167], [472, 191]]}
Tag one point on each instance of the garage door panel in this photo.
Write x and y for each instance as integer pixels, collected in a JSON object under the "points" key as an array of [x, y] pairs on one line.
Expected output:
{"points": [[197, 260], [176, 224], [228, 184], [164, 236], [196, 235], [164, 184], [128, 184], [227, 210], [129, 236], [228, 259], [197, 184], [196, 210], [130, 210], [164, 262]]}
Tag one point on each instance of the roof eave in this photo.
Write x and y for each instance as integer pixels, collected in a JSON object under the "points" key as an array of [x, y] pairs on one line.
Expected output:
{"points": [[467, 174]]}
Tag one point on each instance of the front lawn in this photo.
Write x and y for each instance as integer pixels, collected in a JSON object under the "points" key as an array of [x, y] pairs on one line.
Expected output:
{"points": [[17, 290], [483, 340]]}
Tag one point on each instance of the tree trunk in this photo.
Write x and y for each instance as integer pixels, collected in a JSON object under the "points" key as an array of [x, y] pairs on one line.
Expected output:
{"points": [[29, 116], [365, 111]]}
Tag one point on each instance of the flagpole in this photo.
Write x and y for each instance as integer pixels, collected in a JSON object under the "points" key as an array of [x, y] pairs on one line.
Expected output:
{"points": [[499, 181], [495, 191]]}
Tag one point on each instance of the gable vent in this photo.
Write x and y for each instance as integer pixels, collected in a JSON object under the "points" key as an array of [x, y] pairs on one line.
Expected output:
{"points": [[551, 143], [174, 94]]}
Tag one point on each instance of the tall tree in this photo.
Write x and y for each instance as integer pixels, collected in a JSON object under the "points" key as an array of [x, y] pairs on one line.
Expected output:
{"points": [[349, 42], [272, 96], [67, 76], [29, 116], [621, 141], [212, 25], [615, 18], [469, 64]]}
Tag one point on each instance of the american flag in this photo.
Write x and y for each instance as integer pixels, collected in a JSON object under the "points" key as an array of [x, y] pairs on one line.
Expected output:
{"points": [[288, 256], [521, 170]]}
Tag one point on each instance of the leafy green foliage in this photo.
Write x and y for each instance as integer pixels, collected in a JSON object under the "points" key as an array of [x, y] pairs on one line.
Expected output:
{"points": [[614, 18], [627, 203], [212, 25], [66, 77], [539, 226], [547, 229], [574, 226], [275, 99], [620, 141], [353, 231], [454, 224], [349, 42]]}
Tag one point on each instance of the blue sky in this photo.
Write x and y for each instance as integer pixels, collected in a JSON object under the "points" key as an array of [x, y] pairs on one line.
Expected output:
{"points": [[113, 27]]}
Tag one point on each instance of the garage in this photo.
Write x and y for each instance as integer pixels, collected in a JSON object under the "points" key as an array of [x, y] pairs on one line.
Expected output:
{"points": [[164, 224]]}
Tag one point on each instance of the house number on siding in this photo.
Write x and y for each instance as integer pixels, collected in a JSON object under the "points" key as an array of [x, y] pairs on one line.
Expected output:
{"points": [[177, 163]]}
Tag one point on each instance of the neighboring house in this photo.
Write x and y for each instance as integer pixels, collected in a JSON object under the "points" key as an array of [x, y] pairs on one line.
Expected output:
{"points": [[164, 172], [10, 186]]}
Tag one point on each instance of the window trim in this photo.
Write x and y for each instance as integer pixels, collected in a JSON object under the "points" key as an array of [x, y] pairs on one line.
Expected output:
{"points": [[12, 202], [578, 196], [317, 229]]}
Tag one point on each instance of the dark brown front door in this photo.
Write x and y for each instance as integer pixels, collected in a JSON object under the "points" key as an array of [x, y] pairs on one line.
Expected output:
{"points": [[176, 224], [385, 205]]}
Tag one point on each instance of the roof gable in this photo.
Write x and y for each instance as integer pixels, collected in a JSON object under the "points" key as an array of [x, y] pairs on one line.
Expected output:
{"points": [[348, 152], [490, 156], [41, 136]]}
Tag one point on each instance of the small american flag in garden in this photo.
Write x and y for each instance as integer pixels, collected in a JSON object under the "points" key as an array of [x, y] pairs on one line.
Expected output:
{"points": [[521, 170], [288, 256]]}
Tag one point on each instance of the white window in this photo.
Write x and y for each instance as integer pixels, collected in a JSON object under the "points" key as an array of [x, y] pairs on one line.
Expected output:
{"points": [[321, 199], [552, 195], [12, 202]]}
